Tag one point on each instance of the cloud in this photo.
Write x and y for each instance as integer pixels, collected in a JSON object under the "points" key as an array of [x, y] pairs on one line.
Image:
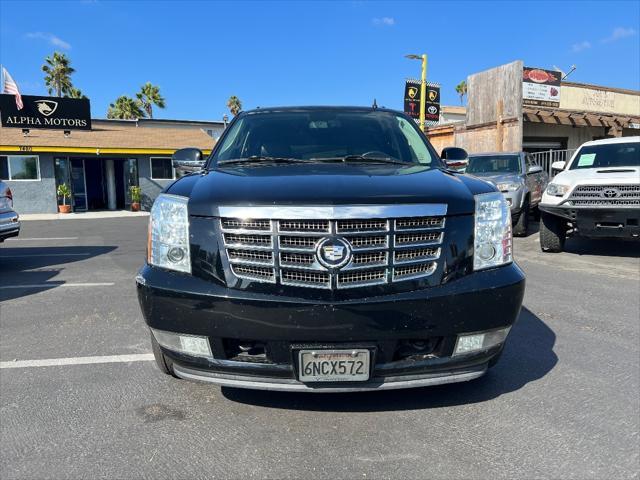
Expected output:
{"points": [[51, 38], [618, 33], [580, 46], [384, 21]]}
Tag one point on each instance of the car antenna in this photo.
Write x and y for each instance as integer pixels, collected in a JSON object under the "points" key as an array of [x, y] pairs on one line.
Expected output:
{"points": [[375, 104]]}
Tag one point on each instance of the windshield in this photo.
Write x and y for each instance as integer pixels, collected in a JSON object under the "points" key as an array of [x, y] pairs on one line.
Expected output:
{"points": [[315, 135], [494, 164], [607, 156]]}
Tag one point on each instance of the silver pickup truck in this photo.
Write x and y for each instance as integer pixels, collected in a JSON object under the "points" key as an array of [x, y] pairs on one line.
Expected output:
{"points": [[520, 180], [9, 223]]}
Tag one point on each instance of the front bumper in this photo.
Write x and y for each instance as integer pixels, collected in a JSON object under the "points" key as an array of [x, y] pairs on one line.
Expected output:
{"points": [[292, 385], [598, 221], [478, 302], [9, 225]]}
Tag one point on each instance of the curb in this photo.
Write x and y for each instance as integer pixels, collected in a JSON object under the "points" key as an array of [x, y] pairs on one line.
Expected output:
{"points": [[27, 217]]}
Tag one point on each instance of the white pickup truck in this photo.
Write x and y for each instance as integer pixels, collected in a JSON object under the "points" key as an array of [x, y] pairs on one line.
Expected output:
{"points": [[597, 194]]}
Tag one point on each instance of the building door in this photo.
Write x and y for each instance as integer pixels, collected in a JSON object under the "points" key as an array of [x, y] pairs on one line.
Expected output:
{"points": [[130, 171], [62, 167], [78, 185]]}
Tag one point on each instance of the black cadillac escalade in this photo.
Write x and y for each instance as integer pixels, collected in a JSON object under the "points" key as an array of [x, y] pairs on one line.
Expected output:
{"points": [[327, 249]]}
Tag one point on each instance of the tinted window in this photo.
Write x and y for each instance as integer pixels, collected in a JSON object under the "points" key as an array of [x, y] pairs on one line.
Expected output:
{"points": [[4, 168], [607, 156], [494, 164], [19, 167], [161, 169], [326, 133]]}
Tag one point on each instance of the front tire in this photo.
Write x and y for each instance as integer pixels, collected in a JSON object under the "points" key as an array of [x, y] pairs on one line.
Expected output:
{"points": [[163, 362], [553, 233], [522, 225]]}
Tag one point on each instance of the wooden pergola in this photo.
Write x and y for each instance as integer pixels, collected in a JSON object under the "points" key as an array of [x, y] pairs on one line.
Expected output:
{"points": [[615, 123]]}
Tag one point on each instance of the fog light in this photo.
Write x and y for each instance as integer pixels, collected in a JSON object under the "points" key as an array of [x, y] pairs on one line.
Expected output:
{"points": [[193, 345], [480, 341], [486, 251], [175, 254]]}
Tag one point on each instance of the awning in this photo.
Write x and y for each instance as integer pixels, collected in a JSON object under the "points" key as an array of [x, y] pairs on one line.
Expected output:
{"points": [[577, 119]]}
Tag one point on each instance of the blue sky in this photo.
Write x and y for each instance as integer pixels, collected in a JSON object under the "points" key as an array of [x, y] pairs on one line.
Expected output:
{"points": [[293, 53]]}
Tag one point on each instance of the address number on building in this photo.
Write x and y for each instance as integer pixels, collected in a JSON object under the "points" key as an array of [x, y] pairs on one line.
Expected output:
{"points": [[26, 149], [334, 365]]}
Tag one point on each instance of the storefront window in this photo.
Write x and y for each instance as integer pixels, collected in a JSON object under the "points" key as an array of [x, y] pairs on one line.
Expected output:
{"points": [[162, 168], [19, 167]]}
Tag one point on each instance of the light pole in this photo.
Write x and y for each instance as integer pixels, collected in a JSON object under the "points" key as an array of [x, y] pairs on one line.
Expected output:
{"points": [[423, 86]]}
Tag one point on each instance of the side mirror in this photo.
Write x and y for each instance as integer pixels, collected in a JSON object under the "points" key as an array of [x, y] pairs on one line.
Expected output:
{"points": [[187, 160], [558, 165], [455, 158], [535, 169], [454, 153]]}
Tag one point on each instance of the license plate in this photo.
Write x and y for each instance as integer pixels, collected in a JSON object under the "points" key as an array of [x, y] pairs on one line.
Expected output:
{"points": [[334, 365]]}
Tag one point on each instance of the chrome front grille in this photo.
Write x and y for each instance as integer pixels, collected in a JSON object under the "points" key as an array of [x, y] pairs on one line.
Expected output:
{"points": [[605, 196], [382, 250]]}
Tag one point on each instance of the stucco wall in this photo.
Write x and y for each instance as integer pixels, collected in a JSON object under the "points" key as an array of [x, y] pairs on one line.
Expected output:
{"points": [[36, 196], [599, 99]]}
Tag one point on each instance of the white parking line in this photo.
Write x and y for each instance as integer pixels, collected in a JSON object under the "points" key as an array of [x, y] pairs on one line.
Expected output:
{"points": [[20, 239], [47, 255], [56, 362], [47, 285]]}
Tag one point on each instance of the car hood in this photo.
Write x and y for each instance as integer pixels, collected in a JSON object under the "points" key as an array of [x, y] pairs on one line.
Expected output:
{"points": [[327, 184], [496, 178], [599, 176]]}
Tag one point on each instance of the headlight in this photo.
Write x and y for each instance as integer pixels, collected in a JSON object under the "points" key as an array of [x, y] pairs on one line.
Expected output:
{"points": [[492, 243], [169, 234], [509, 186], [557, 190]]}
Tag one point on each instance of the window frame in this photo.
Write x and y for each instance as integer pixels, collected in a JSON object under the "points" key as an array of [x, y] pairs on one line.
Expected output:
{"points": [[8, 157], [173, 170]]}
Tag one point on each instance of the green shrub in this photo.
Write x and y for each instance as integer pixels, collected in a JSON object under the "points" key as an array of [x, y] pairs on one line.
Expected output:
{"points": [[136, 194], [65, 192]]}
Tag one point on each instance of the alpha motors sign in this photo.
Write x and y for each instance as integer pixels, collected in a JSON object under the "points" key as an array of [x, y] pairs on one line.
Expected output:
{"points": [[46, 112], [540, 87]]}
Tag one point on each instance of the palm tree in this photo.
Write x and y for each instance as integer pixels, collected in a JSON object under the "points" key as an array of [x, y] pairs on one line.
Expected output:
{"points": [[58, 73], [75, 93], [235, 105], [461, 89], [149, 96], [125, 108]]}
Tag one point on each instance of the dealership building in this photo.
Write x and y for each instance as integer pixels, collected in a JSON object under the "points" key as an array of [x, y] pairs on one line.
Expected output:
{"points": [[99, 164], [514, 108]]}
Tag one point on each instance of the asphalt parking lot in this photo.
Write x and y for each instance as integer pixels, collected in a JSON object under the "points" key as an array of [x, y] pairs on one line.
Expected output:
{"points": [[563, 402]]}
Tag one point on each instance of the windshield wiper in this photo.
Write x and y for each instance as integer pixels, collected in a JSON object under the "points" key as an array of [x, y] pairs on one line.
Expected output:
{"points": [[359, 158], [262, 158]]}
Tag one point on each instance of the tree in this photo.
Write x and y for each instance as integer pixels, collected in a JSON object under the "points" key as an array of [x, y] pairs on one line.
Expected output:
{"points": [[125, 108], [58, 74], [461, 89], [149, 96], [75, 93], [235, 105]]}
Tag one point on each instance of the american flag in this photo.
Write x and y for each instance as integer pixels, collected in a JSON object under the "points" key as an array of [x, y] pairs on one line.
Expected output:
{"points": [[11, 87]]}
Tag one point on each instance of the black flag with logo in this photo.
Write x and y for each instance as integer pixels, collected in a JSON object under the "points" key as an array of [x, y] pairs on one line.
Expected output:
{"points": [[412, 101]]}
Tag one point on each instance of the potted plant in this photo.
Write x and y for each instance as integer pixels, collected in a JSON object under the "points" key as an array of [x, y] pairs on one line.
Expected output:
{"points": [[65, 192], [135, 193]]}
